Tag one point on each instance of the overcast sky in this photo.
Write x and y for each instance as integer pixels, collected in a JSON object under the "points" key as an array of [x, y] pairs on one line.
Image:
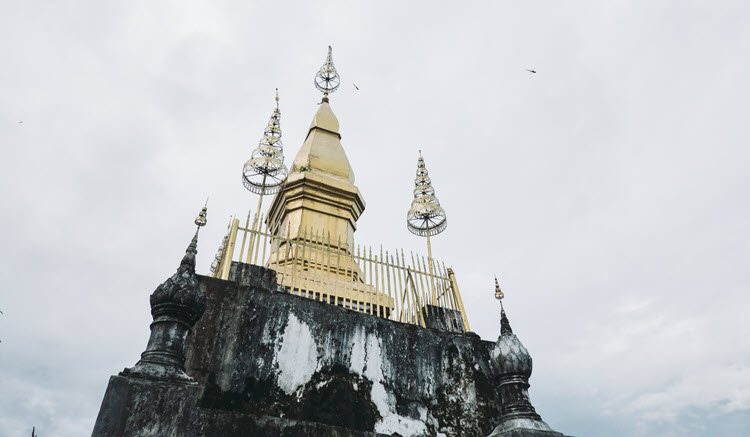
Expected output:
{"points": [[608, 191]]}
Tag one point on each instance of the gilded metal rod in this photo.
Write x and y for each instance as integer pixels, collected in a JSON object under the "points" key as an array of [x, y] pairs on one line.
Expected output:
{"points": [[414, 267], [452, 296], [257, 214], [244, 236], [429, 249], [230, 249], [457, 293], [418, 303], [351, 281], [407, 289], [372, 283], [397, 279], [265, 243], [431, 263], [383, 283], [256, 244], [406, 300], [316, 270], [328, 268], [422, 267], [292, 247], [338, 267]]}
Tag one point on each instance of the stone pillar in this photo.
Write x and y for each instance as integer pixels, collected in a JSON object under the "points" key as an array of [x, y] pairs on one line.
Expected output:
{"points": [[175, 306]]}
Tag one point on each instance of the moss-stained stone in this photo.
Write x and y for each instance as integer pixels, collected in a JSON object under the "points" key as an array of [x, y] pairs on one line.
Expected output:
{"points": [[262, 351], [272, 364]]}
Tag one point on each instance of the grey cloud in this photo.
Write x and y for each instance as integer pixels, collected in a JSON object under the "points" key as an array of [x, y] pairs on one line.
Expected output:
{"points": [[607, 191]]}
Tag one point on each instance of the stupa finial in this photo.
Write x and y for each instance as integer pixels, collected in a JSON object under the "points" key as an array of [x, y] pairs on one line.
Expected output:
{"points": [[200, 221], [265, 172], [426, 217], [498, 293], [327, 79], [192, 248], [504, 323]]}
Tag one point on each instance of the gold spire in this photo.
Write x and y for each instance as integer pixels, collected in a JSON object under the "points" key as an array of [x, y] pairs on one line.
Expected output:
{"points": [[322, 152], [319, 200]]}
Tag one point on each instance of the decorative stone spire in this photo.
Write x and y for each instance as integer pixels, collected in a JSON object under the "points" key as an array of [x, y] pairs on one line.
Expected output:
{"points": [[176, 305], [513, 363]]}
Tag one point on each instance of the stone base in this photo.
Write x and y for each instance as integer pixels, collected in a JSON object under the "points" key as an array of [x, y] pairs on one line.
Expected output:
{"points": [[146, 407], [218, 423]]}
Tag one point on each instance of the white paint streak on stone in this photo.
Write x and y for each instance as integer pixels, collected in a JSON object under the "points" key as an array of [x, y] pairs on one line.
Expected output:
{"points": [[297, 357], [367, 360], [358, 354]]}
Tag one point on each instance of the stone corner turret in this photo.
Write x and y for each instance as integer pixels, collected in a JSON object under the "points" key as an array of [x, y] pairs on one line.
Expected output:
{"points": [[176, 305], [514, 365]]}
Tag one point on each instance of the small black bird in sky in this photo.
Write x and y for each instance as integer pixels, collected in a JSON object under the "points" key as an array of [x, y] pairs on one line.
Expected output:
{"points": [[20, 122], [531, 71], [355, 86]]}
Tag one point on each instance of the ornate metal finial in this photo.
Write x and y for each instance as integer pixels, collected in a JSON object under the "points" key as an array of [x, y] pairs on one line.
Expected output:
{"points": [[498, 293], [426, 217], [327, 79], [200, 221], [504, 323], [265, 172], [192, 248]]}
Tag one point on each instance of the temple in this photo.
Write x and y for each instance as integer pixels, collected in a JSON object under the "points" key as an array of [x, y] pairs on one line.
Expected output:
{"points": [[298, 330]]}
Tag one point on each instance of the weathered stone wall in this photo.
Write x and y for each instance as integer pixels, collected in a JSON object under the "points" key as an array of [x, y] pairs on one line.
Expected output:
{"points": [[140, 407], [260, 351]]}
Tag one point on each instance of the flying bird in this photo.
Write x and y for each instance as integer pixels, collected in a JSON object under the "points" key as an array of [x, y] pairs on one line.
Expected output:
{"points": [[531, 71], [355, 86], [20, 122]]}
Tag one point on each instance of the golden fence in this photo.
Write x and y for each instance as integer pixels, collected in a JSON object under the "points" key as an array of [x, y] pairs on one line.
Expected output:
{"points": [[386, 284]]}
